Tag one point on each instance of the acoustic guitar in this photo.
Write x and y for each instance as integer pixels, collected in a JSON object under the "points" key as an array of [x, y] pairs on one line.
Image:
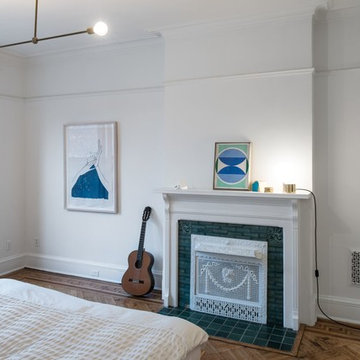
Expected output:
{"points": [[138, 279]]}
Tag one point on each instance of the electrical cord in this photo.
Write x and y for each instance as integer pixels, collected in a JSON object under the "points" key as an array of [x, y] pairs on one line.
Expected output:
{"points": [[317, 274]]}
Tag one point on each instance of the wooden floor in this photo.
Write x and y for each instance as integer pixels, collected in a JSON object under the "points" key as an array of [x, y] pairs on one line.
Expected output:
{"points": [[325, 341]]}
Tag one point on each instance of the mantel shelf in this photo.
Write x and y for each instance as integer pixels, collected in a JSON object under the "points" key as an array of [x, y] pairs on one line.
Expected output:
{"points": [[299, 195]]}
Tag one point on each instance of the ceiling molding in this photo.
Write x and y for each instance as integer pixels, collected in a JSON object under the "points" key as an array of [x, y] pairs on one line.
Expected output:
{"points": [[321, 72], [342, 13], [336, 10], [236, 24], [97, 93], [343, 4], [257, 75], [115, 92]]}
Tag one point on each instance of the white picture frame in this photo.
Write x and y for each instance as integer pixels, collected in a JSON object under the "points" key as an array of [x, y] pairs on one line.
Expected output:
{"points": [[90, 156]]}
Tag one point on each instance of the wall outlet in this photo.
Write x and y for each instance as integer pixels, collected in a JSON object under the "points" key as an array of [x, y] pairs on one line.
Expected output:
{"points": [[94, 273], [36, 242]]}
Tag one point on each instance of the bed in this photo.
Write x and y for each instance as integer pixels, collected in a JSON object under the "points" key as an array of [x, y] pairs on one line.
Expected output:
{"points": [[39, 323]]}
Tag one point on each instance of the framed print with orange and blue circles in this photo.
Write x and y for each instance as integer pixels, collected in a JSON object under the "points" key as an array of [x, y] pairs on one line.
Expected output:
{"points": [[232, 165]]}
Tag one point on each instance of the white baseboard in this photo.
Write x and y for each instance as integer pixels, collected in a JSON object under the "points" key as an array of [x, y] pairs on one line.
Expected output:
{"points": [[340, 308], [86, 269], [11, 263], [295, 320]]}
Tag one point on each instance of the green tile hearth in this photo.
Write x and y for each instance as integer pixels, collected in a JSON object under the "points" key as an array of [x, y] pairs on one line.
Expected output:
{"points": [[272, 336]]}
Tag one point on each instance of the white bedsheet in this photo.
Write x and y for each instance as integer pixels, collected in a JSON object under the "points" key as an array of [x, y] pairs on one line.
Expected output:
{"points": [[38, 323]]}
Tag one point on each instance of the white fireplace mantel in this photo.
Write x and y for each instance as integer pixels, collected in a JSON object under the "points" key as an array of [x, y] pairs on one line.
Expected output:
{"points": [[291, 212]]}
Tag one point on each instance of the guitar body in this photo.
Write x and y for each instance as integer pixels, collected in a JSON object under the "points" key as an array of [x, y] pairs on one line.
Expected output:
{"points": [[139, 281]]}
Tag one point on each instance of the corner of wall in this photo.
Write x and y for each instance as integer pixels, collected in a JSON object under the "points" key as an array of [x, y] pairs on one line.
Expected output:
{"points": [[12, 148]]}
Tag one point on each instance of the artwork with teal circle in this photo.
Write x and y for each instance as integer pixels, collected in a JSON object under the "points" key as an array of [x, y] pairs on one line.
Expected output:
{"points": [[232, 164]]}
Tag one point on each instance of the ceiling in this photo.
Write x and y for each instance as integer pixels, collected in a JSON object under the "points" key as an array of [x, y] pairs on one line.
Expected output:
{"points": [[128, 20]]}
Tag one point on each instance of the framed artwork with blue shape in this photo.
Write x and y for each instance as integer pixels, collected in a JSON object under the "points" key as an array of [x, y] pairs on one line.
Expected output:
{"points": [[91, 167], [232, 166]]}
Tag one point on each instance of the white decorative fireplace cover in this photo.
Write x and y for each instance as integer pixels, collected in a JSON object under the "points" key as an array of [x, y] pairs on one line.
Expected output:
{"points": [[229, 277]]}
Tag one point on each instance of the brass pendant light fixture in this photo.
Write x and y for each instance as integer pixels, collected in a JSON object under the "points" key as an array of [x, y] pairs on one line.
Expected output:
{"points": [[100, 28]]}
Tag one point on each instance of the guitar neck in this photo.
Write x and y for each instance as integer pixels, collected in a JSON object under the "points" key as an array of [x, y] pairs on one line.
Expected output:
{"points": [[141, 241]]}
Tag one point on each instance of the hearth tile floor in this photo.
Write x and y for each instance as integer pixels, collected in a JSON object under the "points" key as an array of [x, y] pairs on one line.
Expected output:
{"points": [[272, 336]]}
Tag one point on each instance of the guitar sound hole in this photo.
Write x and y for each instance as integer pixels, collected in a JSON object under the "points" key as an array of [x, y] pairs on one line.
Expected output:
{"points": [[138, 264], [136, 281]]}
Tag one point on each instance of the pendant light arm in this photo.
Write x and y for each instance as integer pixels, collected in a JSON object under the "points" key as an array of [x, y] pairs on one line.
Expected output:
{"points": [[64, 35], [36, 18], [36, 40], [17, 43]]}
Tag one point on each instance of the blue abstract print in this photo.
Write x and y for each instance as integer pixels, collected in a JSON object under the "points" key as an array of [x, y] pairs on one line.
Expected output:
{"points": [[89, 182], [89, 186], [232, 166]]}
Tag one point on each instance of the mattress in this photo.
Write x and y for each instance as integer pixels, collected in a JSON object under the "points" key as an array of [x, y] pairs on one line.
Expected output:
{"points": [[39, 323]]}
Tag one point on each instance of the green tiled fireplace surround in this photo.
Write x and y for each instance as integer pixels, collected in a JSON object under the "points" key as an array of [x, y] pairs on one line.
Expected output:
{"points": [[273, 235]]}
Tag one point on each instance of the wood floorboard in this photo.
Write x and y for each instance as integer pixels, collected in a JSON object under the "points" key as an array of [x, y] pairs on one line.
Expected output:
{"points": [[324, 341]]}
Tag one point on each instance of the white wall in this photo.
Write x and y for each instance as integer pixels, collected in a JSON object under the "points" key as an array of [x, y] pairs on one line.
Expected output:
{"points": [[121, 84], [134, 65], [248, 82], [336, 147], [12, 149], [12, 73]]}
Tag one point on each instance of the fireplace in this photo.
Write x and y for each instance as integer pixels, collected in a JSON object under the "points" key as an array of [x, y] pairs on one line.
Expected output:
{"points": [[229, 277], [283, 220]]}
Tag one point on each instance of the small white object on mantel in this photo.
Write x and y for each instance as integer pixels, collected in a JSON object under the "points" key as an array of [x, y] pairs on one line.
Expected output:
{"points": [[292, 212], [181, 187]]}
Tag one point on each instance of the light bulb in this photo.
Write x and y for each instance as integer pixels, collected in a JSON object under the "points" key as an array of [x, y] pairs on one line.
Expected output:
{"points": [[100, 28]]}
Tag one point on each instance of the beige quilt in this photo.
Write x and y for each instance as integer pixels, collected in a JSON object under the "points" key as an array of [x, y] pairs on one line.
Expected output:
{"points": [[34, 331]]}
